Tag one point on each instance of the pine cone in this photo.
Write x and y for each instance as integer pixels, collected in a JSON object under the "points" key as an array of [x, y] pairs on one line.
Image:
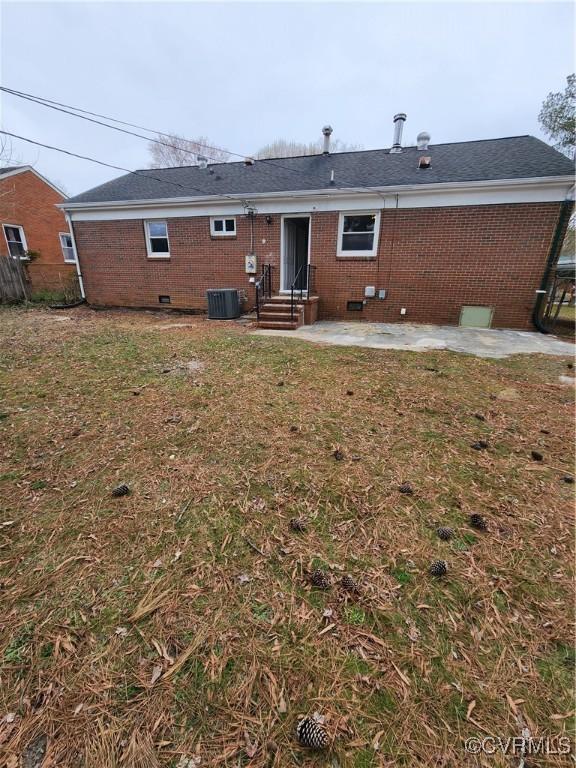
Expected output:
{"points": [[338, 454], [438, 568], [298, 524], [320, 579], [445, 533], [406, 488], [477, 521], [536, 456], [480, 445], [311, 734], [120, 490], [348, 583]]}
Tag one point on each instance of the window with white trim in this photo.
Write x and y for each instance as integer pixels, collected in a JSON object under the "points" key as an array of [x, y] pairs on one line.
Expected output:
{"points": [[67, 248], [358, 233], [157, 243], [15, 240], [223, 227]]}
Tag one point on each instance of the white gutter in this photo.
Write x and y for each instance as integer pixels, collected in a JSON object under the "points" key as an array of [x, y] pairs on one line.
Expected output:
{"points": [[545, 181], [77, 260]]}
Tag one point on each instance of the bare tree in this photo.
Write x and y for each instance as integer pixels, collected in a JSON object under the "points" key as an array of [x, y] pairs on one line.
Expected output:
{"points": [[175, 150], [286, 148], [7, 159], [6, 154]]}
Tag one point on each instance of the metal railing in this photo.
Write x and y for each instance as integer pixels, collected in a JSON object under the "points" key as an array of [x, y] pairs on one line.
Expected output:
{"points": [[263, 287], [309, 270]]}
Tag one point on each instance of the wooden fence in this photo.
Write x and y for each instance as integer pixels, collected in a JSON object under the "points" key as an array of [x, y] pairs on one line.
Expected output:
{"points": [[13, 280]]}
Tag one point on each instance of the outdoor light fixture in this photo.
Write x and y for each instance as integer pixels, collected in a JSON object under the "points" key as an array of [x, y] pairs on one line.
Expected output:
{"points": [[269, 219]]}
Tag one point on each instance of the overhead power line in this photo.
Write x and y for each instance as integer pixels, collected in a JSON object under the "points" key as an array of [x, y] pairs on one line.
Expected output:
{"points": [[186, 187], [243, 199], [78, 109], [52, 105], [64, 108]]}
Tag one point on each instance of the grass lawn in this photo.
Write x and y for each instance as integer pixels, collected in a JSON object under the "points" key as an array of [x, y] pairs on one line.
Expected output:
{"points": [[176, 626], [567, 312]]}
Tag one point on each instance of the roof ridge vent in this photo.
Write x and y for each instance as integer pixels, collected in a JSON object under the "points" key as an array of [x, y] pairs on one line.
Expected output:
{"points": [[423, 139]]}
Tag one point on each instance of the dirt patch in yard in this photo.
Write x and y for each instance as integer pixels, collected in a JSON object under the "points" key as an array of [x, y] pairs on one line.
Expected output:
{"points": [[179, 624]]}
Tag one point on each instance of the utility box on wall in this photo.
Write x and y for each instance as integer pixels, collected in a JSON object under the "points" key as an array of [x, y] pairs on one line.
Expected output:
{"points": [[251, 265]]}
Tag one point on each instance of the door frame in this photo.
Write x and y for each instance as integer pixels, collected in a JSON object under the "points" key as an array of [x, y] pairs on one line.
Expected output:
{"points": [[282, 245]]}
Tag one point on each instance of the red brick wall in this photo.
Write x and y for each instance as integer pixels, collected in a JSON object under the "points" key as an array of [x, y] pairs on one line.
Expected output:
{"points": [[117, 272], [430, 260], [29, 202]]}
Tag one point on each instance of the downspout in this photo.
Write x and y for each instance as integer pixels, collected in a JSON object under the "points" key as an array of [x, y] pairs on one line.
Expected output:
{"points": [[565, 213], [77, 260]]}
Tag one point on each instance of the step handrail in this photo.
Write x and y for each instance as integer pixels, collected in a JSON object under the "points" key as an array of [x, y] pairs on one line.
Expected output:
{"points": [[309, 275], [263, 287]]}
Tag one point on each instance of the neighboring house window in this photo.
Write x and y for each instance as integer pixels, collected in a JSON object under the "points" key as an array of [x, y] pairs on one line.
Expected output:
{"points": [[15, 240], [358, 233], [157, 243], [67, 248], [223, 227]]}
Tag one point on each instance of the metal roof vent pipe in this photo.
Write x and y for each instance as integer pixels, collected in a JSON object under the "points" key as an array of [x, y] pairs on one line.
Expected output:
{"points": [[399, 121], [202, 161], [423, 139], [327, 131]]}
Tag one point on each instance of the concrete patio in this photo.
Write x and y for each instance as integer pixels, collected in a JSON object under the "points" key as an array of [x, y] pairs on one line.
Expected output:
{"points": [[418, 338]]}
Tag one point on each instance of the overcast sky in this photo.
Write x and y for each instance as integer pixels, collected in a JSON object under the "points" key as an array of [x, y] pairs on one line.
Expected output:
{"points": [[247, 73]]}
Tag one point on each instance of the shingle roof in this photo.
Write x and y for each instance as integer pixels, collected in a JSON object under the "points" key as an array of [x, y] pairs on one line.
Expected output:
{"points": [[7, 169], [516, 157]]}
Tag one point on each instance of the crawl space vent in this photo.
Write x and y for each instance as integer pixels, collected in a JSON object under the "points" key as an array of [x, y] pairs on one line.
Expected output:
{"points": [[355, 306], [164, 299]]}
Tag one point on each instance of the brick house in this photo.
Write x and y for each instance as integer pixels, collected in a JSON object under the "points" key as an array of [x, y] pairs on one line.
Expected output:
{"points": [[31, 222], [445, 233]]}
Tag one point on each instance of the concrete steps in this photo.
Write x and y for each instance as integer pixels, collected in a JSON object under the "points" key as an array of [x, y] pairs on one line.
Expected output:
{"points": [[276, 313], [285, 325]]}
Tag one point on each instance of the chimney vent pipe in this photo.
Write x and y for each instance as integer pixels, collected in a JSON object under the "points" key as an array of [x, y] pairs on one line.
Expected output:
{"points": [[399, 121], [327, 131], [202, 161]]}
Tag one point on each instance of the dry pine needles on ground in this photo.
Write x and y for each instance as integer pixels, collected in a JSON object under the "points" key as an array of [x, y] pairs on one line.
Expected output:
{"points": [[177, 625]]}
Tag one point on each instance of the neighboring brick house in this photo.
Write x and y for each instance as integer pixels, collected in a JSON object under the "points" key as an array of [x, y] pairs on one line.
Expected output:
{"points": [[31, 222], [446, 233]]}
